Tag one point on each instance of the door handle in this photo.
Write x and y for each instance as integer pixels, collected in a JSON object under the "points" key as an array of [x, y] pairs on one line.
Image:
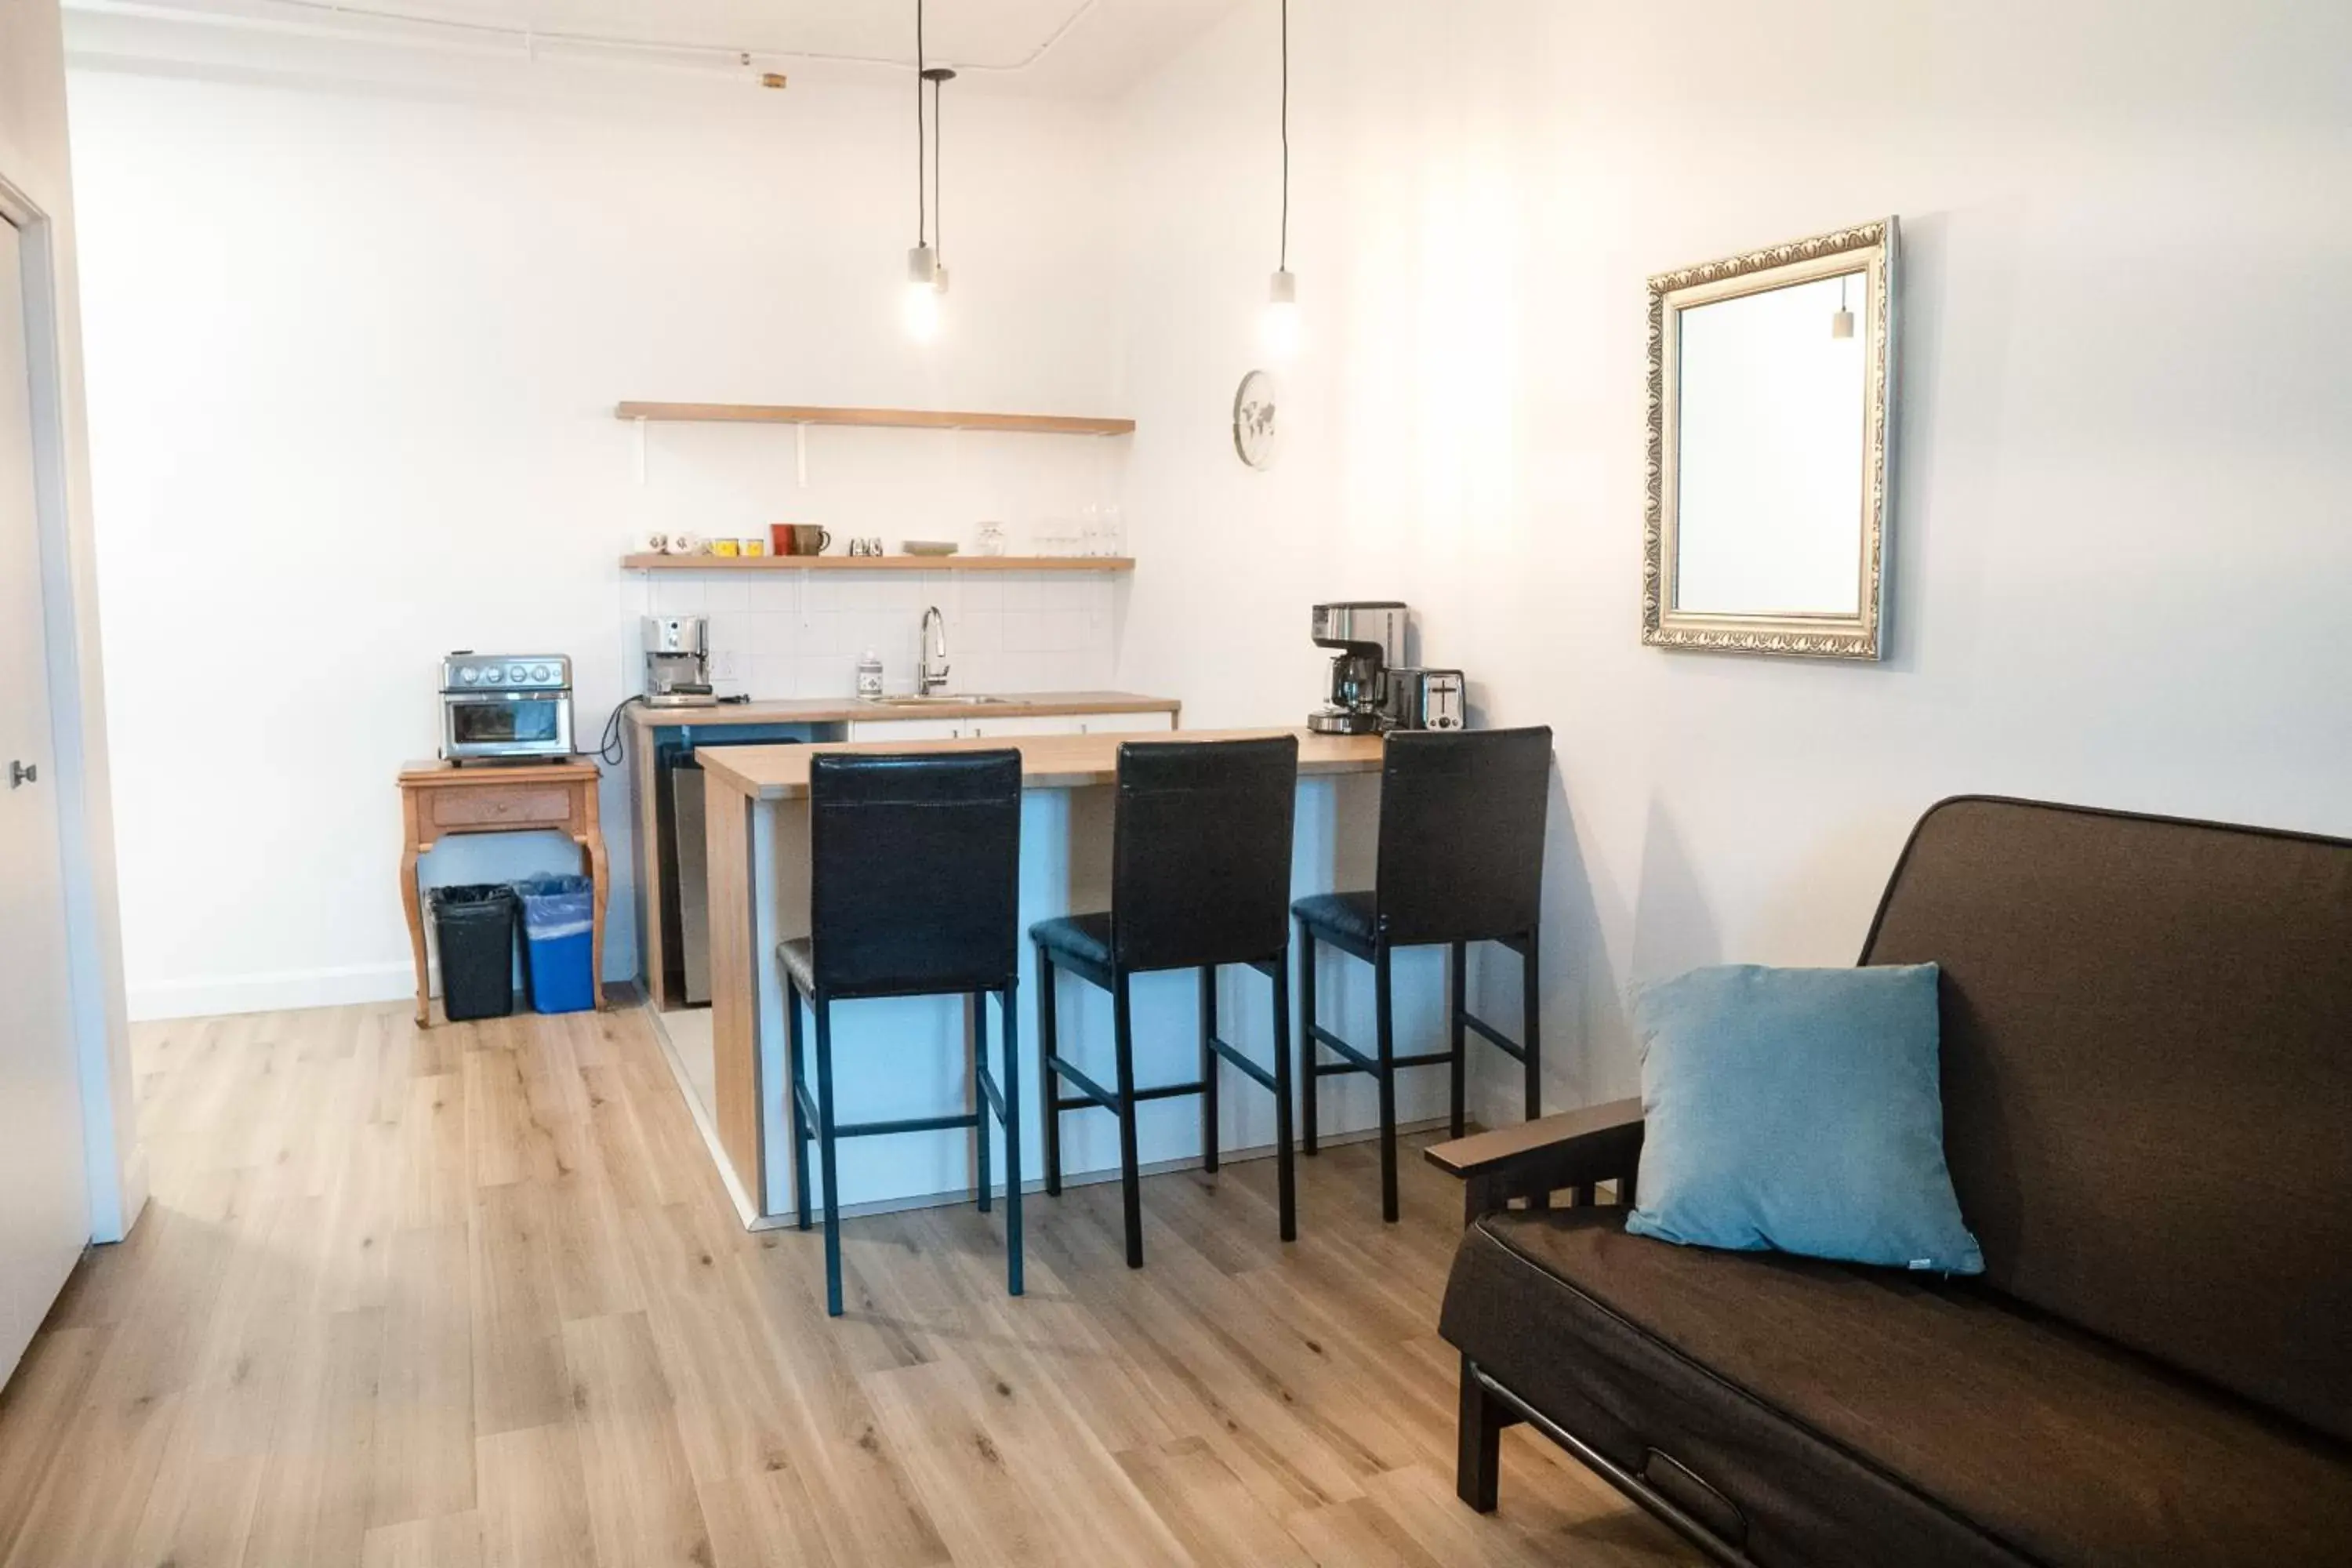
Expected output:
{"points": [[22, 773]]}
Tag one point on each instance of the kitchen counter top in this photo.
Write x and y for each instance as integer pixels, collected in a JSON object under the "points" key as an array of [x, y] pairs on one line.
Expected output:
{"points": [[849, 710], [1047, 762]]}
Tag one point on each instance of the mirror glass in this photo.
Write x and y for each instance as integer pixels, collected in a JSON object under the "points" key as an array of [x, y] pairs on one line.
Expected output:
{"points": [[1770, 451]]}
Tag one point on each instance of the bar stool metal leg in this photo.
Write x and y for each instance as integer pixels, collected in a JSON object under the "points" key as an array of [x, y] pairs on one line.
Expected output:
{"points": [[978, 1001], [1011, 1091], [824, 1157], [1209, 1068], [796, 1086], [1049, 1083], [1384, 1013], [1286, 1176], [1457, 1033], [1306, 1054], [1531, 1030], [1130, 1173]]}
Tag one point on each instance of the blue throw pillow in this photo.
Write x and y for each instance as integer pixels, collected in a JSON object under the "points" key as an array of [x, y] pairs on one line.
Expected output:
{"points": [[1798, 1110]]}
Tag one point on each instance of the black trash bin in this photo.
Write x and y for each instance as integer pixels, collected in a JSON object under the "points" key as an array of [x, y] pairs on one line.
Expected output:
{"points": [[474, 924]]}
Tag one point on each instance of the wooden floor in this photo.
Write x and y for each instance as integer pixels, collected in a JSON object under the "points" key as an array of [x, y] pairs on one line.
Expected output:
{"points": [[475, 1296]]}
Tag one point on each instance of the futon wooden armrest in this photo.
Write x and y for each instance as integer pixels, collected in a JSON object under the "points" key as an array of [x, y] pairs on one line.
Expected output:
{"points": [[1574, 1149]]}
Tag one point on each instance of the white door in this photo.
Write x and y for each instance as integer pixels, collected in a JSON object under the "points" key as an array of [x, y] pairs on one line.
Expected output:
{"points": [[44, 1203]]}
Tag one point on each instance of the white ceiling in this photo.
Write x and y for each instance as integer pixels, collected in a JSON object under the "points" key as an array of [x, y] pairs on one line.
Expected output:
{"points": [[1063, 48]]}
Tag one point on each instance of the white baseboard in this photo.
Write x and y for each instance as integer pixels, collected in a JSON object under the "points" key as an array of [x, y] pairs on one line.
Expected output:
{"points": [[288, 990], [275, 992]]}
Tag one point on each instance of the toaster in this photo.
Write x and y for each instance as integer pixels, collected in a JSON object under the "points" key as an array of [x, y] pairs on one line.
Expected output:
{"points": [[1424, 700]]}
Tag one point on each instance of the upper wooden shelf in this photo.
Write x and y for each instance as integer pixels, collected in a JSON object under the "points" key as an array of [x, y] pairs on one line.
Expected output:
{"points": [[894, 418], [878, 563]]}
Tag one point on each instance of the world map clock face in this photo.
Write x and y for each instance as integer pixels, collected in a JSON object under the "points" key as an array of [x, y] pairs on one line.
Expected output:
{"points": [[1257, 427]]}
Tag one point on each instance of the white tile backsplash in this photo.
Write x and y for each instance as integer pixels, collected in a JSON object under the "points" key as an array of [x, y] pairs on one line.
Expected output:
{"points": [[775, 633], [789, 634], [776, 593]]}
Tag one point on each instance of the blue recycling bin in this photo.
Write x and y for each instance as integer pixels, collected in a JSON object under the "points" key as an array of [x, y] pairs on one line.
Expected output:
{"points": [[559, 919]]}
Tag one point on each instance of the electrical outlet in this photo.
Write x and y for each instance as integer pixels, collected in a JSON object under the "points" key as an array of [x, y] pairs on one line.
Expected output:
{"points": [[726, 665]]}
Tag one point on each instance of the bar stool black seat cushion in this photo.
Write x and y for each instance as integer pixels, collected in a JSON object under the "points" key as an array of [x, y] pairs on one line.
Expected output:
{"points": [[799, 954], [1086, 938], [1351, 915], [1868, 1415]]}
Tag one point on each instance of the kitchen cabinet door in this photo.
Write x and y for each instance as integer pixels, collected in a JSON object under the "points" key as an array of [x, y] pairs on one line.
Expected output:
{"points": [[1126, 723], [906, 729], [998, 729]]}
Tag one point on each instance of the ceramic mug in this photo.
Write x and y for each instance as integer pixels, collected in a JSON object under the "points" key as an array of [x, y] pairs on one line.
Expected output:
{"points": [[722, 547], [752, 547], [799, 539]]}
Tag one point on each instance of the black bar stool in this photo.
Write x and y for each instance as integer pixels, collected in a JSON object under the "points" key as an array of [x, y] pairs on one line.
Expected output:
{"points": [[914, 890], [1200, 876], [1461, 861]]}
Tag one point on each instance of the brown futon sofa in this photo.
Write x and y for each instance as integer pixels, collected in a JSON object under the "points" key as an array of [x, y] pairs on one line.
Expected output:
{"points": [[2147, 1055]]}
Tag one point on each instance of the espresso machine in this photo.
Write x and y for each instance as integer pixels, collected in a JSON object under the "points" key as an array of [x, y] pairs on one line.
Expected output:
{"points": [[1369, 636], [678, 662]]}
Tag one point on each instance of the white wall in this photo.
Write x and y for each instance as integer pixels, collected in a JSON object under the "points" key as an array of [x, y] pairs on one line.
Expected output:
{"points": [[2121, 566], [395, 319], [354, 346], [36, 161]]}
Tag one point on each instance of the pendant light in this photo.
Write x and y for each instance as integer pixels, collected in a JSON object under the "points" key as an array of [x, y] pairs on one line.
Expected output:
{"points": [[927, 273], [1842, 323], [1279, 330]]}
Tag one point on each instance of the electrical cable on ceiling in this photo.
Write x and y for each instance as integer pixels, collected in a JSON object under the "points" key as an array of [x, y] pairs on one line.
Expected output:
{"points": [[537, 40]]}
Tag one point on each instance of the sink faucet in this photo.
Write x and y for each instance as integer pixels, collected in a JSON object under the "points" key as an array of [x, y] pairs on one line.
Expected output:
{"points": [[934, 638]]}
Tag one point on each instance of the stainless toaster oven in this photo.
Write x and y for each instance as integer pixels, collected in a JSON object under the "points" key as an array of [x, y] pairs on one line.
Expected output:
{"points": [[505, 708]]}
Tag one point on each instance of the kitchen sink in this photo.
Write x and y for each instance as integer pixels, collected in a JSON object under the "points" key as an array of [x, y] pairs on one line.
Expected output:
{"points": [[929, 702]]}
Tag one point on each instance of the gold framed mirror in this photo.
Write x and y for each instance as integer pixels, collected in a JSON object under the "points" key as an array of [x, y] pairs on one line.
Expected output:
{"points": [[1771, 390]]}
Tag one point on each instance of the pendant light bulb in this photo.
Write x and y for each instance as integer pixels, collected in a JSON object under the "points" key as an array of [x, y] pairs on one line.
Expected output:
{"points": [[925, 282], [1278, 329]]}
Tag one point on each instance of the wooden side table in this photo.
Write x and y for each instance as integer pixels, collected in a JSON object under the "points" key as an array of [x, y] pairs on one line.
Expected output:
{"points": [[439, 800]]}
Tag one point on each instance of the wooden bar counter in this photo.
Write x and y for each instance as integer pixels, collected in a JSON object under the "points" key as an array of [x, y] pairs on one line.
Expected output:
{"points": [[905, 1058]]}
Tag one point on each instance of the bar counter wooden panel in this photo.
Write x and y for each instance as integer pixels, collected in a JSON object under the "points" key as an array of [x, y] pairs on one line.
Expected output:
{"points": [[739, 1088], [1047, 762]]}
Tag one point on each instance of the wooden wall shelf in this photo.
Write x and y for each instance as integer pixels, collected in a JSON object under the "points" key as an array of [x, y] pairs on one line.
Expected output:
{"points": [[878, 563], [893, 418]]}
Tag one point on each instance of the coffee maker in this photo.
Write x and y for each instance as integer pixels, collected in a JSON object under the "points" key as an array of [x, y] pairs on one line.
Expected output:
{"points": [[678, 662], [1369, 636]]}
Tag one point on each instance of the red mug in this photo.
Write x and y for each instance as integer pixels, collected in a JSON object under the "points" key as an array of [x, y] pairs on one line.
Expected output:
{"points": [[798, 539]]}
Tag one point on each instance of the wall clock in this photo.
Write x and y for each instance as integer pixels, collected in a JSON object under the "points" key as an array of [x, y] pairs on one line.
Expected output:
{"points": [[1257, 428]]}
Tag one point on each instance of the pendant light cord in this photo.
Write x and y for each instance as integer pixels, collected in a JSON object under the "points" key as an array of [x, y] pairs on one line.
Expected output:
{"points": [[923, 143], [1286, 135], [938, 173]]}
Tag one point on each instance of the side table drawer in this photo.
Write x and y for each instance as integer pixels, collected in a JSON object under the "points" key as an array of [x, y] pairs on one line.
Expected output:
{"points": [[502, 807]]}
